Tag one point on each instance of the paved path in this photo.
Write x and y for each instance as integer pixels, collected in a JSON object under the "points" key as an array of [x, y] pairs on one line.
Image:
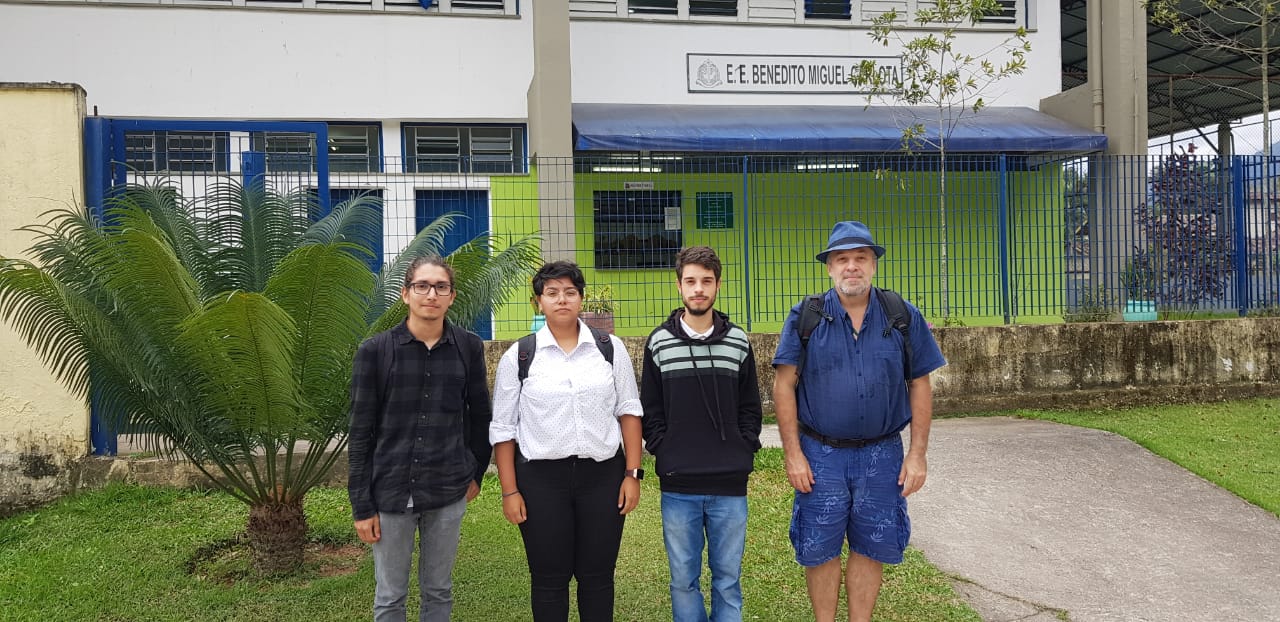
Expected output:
{"points": [[1037, 518]]}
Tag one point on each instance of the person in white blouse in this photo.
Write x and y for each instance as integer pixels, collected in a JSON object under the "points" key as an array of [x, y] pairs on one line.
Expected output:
{"points": [[567, 444]]}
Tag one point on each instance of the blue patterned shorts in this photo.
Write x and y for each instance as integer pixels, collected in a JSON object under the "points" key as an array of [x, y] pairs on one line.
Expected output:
{"points": [[855, 496]]}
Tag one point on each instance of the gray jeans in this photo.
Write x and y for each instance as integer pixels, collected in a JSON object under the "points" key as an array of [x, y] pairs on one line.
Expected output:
{"points": [[438, 530]]}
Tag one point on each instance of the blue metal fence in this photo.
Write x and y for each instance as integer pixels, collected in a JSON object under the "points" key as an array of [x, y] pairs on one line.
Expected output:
{"points": [[979, 239]]}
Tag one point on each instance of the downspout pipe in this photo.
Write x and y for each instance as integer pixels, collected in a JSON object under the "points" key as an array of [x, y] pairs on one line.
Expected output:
{"points": [[1094, 29]]}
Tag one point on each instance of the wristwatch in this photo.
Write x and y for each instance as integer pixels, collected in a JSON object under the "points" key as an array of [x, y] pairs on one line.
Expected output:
{"points": [[636, 473]]}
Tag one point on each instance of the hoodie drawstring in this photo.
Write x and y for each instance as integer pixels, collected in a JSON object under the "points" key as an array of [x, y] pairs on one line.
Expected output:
{"points": [[715, 414]]}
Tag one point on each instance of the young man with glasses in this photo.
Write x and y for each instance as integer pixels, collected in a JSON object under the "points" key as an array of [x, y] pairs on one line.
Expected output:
{"points": [[701, 401], [418, 446]]}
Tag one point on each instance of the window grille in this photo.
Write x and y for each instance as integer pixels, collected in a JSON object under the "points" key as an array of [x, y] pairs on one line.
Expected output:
{"points": [[637, 229]]}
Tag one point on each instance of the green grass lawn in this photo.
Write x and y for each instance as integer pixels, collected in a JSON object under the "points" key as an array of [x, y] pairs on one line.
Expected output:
{"points": [[123, 554], [1235, 445]]}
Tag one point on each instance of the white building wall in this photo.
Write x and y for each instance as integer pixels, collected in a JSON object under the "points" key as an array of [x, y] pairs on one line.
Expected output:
{"points": [[637, 61], [220, 63]]}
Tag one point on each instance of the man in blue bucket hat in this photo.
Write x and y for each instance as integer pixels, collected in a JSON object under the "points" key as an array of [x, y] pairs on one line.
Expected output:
{"points": [[852, 372]]}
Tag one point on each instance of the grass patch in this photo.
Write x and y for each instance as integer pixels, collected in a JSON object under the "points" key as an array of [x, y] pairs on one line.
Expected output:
{"points": [[128, 553], [1235, 445]]}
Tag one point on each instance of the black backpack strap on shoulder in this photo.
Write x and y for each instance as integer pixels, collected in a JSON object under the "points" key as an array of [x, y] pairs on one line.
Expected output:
{"points": [[898, 318], [524, 354], [386, 361], [465, 350], [811, 313], [604, 343]]}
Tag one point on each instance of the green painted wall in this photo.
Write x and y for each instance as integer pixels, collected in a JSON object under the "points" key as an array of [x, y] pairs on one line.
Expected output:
{"points": [[768, 260]]}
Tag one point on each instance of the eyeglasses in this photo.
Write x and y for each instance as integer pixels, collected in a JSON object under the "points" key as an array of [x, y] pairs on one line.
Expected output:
{"points": [[422, 288], [568, 294]]}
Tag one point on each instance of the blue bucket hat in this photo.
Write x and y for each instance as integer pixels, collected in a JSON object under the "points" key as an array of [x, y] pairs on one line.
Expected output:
{"points": [[848, 235]]}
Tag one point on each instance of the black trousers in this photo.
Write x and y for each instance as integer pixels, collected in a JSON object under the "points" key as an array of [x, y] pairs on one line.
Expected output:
{"points": [[573, 530]]}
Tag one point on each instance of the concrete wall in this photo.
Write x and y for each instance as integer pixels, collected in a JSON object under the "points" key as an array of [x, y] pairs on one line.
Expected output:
{"points": [[990, 368], [166, 61], [42, 426], [1079, 365]]}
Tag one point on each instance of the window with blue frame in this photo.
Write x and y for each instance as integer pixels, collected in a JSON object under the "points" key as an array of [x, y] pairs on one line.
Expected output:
{"points": [[176, 152], [464, 149], [352, 149], [637, 228]]}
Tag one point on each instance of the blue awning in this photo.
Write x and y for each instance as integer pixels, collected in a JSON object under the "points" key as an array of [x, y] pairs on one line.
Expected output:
{"points": [[806, 129]]}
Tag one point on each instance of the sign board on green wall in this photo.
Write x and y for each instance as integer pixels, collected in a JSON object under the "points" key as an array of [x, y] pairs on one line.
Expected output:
{"points": [[715, 210]]}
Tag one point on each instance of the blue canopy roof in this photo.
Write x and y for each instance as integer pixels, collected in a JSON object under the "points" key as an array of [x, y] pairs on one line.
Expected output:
{"points": [[800, 129]]}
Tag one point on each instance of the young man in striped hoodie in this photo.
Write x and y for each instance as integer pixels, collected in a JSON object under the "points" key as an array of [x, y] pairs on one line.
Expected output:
{"points": [[701, 402]]}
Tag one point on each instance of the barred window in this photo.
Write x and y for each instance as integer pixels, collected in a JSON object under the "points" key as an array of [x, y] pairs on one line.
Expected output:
{"points": [[637, 229], [352, 149], [176, 152], [463, 149]]}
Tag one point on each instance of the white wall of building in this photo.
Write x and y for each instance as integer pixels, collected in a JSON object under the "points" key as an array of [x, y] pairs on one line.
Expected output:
{"points": [[218, 63], [636, 61]]}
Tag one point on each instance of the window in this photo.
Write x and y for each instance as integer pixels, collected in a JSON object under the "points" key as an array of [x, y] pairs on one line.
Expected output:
{"points": [[176, 152], [637, 229], [352, 149], [714, 8], [1008, 13], [827, 9], [461, 149], [651, 7]]}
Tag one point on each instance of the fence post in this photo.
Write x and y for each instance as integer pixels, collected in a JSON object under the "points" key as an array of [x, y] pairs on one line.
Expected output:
{"points": [[746, 243], [97, 180], [1240, 237], [1002, 218]]}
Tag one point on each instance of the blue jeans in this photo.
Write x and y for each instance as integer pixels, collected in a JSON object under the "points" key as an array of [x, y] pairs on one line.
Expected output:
{"points": [[438, 530], [689, 521]]}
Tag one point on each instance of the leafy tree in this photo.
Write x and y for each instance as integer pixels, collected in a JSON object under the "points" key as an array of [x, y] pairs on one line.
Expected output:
{"points": [[938, 74], [1187, 257], [223, 330], [1230, 27]]}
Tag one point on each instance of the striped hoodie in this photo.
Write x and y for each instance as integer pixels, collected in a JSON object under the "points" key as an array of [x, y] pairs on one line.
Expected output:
{"points": [[701, 402]]}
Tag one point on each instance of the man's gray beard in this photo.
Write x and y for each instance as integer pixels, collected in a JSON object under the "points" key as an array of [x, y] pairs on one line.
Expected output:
{"points": [[856, 290]]}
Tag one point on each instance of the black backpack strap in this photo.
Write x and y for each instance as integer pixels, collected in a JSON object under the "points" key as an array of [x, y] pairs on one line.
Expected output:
{"points": [[465, 351], [386, 360], [811, 313], [897, 317], [524, 354], [604, 343]]}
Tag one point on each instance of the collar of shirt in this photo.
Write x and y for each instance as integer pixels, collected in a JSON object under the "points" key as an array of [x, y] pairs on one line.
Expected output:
{"points": [[403, 336], [693, 334], [544, 338]]}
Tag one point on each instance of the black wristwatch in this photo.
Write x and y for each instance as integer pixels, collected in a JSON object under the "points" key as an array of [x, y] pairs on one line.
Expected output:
{"points": [[636, 473]]}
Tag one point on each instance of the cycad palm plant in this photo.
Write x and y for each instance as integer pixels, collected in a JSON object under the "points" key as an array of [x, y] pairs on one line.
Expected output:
{"points": [[222, 330]]}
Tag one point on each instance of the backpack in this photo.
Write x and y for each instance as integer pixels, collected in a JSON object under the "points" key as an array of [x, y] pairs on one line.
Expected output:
{"points": [[895, 309], [526, 348]]}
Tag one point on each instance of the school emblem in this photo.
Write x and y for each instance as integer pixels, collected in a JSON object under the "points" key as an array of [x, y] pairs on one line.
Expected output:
{"points": [[708, 75]]}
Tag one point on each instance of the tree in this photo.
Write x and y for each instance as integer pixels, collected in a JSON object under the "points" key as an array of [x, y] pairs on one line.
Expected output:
{"points": [[223, 331], [937, 74], [1187, 257], [1230, 27]]}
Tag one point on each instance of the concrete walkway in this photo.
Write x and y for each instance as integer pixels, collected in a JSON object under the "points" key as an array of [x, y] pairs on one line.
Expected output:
{"points": [[1036, 518]]}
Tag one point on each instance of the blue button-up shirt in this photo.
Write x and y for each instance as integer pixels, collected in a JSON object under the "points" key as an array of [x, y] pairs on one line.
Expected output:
{"points": [[853, 385]]}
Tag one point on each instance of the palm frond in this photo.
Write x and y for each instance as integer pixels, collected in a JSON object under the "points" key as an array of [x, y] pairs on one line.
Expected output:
{"points": [[428, 241], [31, 301], [357, 220], [161, 199], [240, 347], [325, 290], [486, 279], [253, 228]]}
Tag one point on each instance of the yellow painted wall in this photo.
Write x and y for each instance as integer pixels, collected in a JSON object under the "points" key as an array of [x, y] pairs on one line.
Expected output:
{"points": [[40, 169]]}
